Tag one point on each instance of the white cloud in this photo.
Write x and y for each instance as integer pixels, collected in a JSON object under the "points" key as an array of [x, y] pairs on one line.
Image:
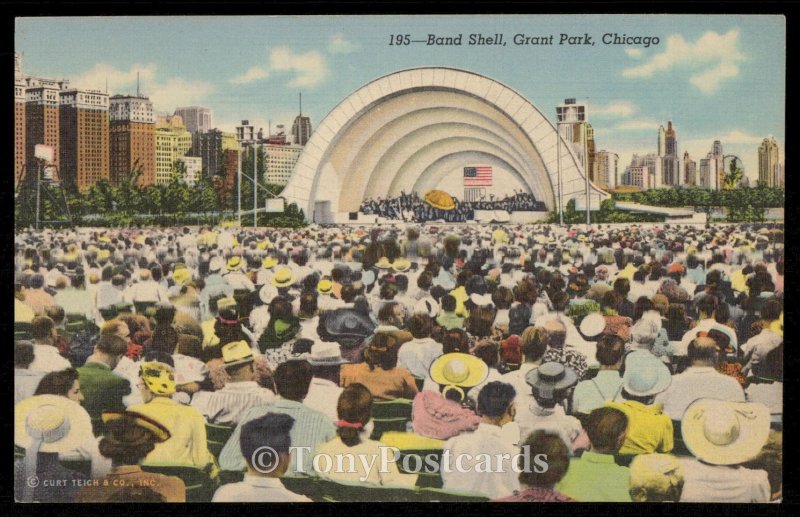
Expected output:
{"points": [[713, 58], [310, 68], [620, 109], [634, 52], [339, 44], [166, 94], [254, 73]]}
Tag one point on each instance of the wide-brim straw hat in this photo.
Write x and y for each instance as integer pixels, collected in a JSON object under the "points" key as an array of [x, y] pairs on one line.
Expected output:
{"points": [[62, 423], [284, 277], [721, 432], [457, 369]]}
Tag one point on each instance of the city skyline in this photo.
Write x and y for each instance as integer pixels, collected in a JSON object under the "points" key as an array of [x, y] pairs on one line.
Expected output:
{"points": [[697, 76]]}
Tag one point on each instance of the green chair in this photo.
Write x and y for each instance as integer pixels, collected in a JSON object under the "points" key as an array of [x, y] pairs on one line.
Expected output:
{"points": [[416, 462], [108, 313], [217, 436], [145, 308], [82, 466], [420, 382], [22, 331], [436, 495], [199, 486], [322, 490], [390, 415], [19, 452]]}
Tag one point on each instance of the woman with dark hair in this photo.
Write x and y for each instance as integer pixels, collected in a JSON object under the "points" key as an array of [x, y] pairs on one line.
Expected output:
{"points": [[676, 323], [480, 327], [379, 373], [131, 437], [64, 383], [536, 486], [354, 409], [455, 340]]}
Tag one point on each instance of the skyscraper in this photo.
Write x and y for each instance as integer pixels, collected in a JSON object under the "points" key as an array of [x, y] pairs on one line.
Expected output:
{"points": [[716, 152], [41, 118], [662, 141], [211, 146], [670, 164], [246, 133], [132, 138], [84, 137], [196, 118], [704, 173], [19, 120], [173, 141], [301, 127], [607, 165], [767, 161], [689, 170]]}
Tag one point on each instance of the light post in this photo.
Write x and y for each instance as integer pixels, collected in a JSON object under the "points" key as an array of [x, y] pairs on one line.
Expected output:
{"points": [[239, 188], [558, 153]]}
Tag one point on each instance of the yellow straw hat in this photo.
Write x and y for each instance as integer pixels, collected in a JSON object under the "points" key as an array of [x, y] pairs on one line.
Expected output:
{"points": [[158, 377], [284, 277], [457, 369], [269, 262], [325, 286], [383, 263], [401, 264]]}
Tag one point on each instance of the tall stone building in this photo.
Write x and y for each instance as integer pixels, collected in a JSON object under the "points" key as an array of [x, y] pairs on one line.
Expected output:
{"points": [[19, 120], [42, 98], [173, 141], [84, 138], [132, 138], [768, 160], [196, 118]]}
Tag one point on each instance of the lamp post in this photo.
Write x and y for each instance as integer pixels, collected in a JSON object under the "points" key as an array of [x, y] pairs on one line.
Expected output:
{"points": [[558, 152], [255, 186], [239, 188]]}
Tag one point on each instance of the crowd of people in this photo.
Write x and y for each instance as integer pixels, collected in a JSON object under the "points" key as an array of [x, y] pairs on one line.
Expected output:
{"points": [[645, 362], [412, 208]]}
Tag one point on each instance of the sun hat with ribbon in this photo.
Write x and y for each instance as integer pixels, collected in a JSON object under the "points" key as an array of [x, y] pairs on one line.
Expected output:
{"points": [[48, 423], [236, 353], [458, 371], [158, 377], [645, 374], [235, 263], [721, 432], [283, 277], [129, 419], [551, 379]]}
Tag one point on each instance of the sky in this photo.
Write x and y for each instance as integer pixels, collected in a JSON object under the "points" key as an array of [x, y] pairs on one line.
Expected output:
{"points": [[715, 77]]}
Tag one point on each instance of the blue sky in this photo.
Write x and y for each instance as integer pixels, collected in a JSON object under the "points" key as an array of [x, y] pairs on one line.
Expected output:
{"points": [[716, 77]]}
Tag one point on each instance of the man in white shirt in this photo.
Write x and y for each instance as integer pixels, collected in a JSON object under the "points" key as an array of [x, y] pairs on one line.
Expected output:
{"points": [[46, 356], [418, 354], [706, 307], [236, 277], [25, 380], [701, 379], [146, 290], [323, 392], [496, 408], [227, 405], [724, 435]]}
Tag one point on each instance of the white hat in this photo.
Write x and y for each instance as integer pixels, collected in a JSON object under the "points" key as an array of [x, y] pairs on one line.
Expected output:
{"points": [[428, 306], [481, 300], [325, 354], [267, 293], [216, 264], [645, 374], [721, 432], [593, 324]]}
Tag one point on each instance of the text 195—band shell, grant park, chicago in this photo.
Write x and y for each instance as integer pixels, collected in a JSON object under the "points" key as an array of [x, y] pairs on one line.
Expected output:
{"points": [[498, 259]]}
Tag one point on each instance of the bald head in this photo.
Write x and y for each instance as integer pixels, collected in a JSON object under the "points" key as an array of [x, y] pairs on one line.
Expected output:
{"points": [[703, 351], [556, 333]]}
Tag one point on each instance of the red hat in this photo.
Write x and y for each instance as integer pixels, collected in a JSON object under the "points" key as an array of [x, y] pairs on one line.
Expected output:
{"points": [[675, 267]]}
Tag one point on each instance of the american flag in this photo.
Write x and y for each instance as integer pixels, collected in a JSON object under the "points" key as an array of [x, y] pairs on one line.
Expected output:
{"points": [[480, 176]]}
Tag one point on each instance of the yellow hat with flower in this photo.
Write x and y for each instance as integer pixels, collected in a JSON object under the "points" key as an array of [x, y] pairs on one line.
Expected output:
{"points": [[158, 377]]}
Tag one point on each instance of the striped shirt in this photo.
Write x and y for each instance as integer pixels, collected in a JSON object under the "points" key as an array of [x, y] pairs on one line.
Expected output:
{"points": [[311, 429], [226, 406]]}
